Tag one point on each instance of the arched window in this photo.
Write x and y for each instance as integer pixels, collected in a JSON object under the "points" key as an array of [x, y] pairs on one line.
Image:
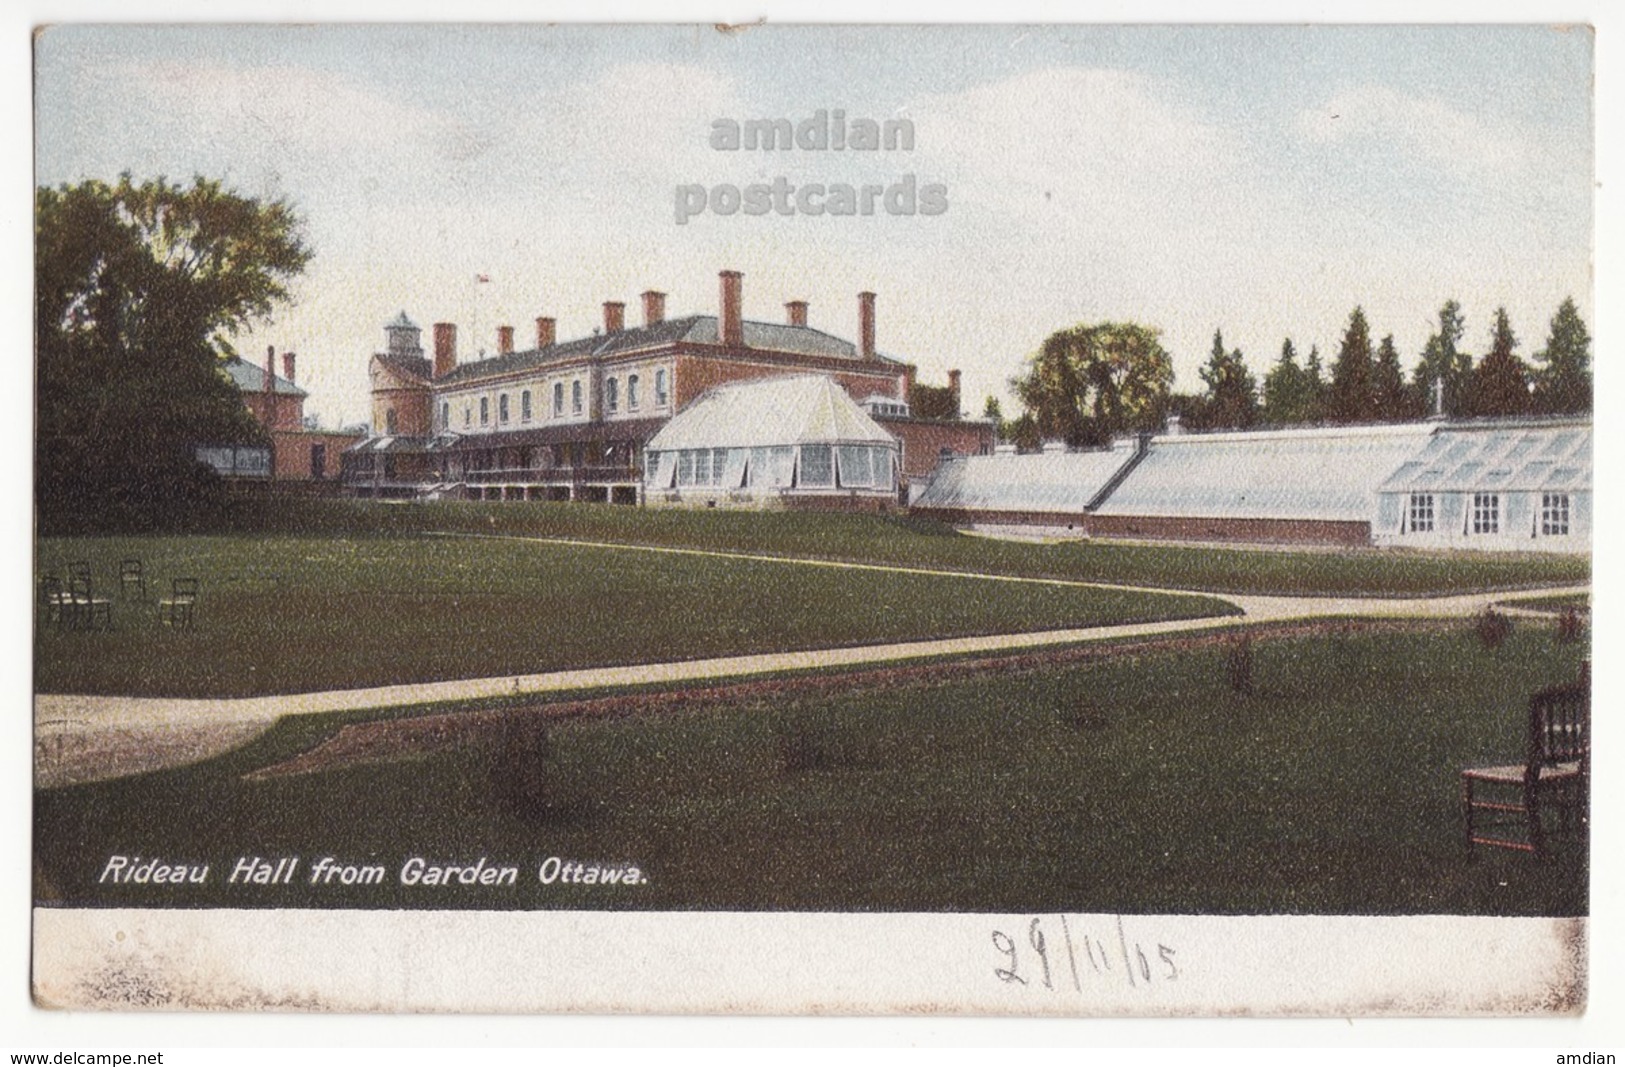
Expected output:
{"points": [[558, 398], [485, 411], [524, 405], [389, 421], [632, 392], [445, 415], [660, 388], [502, 408], [612, 394], [575, 396]]}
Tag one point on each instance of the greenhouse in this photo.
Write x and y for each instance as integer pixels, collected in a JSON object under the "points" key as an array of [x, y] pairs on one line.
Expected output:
{"points": [[789, 441], [1304, 486], [1501, 487], [1054, 488]]}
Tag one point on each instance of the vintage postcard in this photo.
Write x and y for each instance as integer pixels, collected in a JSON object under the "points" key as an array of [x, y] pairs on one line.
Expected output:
{"points": [[999, 519]]}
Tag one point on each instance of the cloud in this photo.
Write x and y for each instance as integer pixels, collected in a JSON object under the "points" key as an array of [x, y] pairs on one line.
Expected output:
{"points": [[1422, 126], [294, 107], [1105, 141]]}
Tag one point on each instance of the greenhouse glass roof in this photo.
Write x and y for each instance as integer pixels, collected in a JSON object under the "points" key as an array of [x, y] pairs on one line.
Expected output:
{"points": [[1499, 458], [1048, 482], [1319, 474], [799, 409]]}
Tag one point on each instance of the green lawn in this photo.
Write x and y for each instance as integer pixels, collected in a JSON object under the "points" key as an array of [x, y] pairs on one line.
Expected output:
{"points": [[927, 543], [1579, 601], [289, 614], [1141, 784]]}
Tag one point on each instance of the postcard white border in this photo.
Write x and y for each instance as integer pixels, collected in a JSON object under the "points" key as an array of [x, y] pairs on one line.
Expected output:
{"points": [[29, 1026]]}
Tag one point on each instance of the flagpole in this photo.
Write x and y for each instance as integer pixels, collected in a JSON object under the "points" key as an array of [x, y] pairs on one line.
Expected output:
{"points": [[479, 340]]}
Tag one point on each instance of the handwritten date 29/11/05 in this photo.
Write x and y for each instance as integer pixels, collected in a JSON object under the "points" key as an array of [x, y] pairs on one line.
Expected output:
{"points": [[1033, 957]]}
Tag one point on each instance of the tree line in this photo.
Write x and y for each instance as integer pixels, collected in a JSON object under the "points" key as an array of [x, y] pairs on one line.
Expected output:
{"points": [[1089, 383]]}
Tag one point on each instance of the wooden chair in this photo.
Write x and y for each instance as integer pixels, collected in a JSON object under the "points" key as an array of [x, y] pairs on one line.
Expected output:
{"points": [[89, 610], [131, 580], [79, 569], [180, 608], [56, 606], [1556, 773]]}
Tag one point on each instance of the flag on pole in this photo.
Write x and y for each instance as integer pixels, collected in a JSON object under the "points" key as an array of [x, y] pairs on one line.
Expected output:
{"points": [[482, 277]]}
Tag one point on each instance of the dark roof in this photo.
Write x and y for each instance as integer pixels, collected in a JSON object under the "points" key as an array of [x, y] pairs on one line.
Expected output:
{"points": [[418, 366], [619, 430], [692, 329], [251, 379]]}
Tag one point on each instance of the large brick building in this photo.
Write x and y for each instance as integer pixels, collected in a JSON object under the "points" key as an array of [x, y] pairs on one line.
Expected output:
{"points": [[300, 453], [569, 420]]}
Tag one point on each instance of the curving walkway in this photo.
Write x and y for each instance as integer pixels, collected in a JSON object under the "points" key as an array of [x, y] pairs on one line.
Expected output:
{"points": [[92, 738]]}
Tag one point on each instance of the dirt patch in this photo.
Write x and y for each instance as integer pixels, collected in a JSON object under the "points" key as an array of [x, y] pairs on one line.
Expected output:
{"points": [[388, 740]]}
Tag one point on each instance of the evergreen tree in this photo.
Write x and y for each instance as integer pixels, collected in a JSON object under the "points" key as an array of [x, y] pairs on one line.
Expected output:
{"points": [[1350, 395], [1391, 401], [1286, 389], [1501, 381], [1314, 387], [1444, 376], [1563, 379], [1231, 401]]}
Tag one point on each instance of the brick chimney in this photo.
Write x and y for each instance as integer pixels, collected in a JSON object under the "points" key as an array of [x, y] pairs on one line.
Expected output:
{"points": [[953, 391], [269, 402], [654, 308], [504, 340], [866, 325], [731, 327], [445, 348], [546, 332], [614, 316], [796, 313], [288, 365]]}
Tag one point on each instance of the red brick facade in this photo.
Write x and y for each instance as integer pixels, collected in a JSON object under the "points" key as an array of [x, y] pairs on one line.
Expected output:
{"points": [[1266, 531], [925, 440], [698, 370]]}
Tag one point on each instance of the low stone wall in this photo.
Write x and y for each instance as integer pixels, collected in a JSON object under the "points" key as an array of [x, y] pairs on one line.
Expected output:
{"points": [[1269, 531]]}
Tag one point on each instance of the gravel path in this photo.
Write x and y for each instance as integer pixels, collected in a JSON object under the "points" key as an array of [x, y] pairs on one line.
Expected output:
{"points": [[91, 738]]}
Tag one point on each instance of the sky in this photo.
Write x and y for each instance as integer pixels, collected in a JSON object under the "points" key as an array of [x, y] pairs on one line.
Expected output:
{"points": [[1260, 180]]}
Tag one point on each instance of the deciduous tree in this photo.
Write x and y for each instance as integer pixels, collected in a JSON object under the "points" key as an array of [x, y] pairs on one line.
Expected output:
{"points": [[139, 290], [1091, 382]]}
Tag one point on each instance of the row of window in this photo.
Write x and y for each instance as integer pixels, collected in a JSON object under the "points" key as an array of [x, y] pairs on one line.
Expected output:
{"points": [[781, 467], [574, 401], [1485, 517]]}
